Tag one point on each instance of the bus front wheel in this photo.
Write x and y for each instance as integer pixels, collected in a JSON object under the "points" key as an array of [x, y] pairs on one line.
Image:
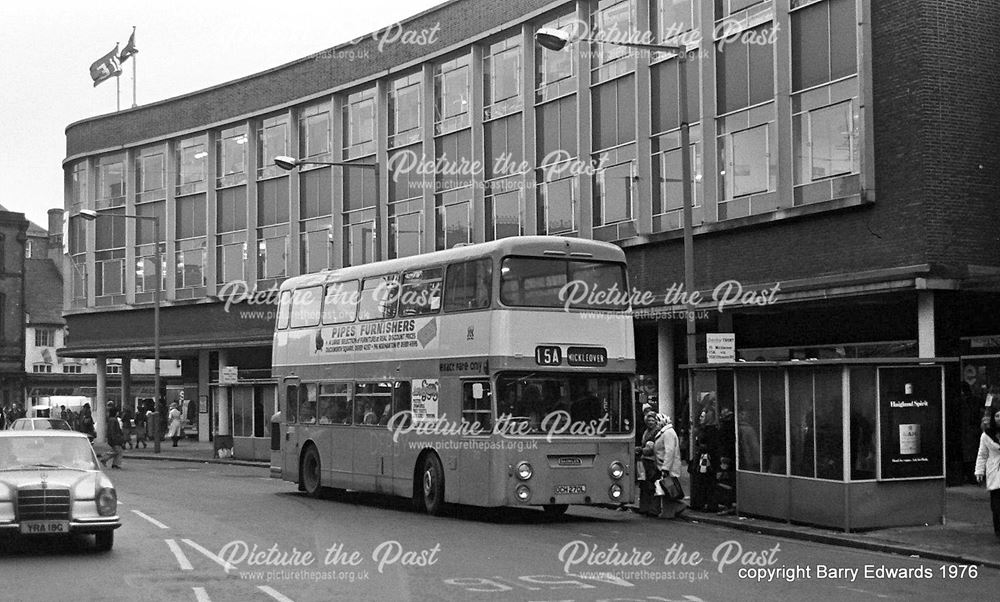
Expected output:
{"points": [[310, 472], [432, 486]]}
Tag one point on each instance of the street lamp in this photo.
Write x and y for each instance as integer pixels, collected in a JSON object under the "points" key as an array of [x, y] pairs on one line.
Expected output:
{"points": [[91, 215], [290, 163], [557, 39]]}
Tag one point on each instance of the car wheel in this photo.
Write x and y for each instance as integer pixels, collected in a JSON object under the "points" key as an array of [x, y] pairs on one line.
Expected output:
{"points": [[104, 540], [432, 485], [310, 472], [554, 510]]}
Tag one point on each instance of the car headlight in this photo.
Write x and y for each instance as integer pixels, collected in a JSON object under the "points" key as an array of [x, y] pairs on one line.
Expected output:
{"points": [[616, 470], [523, 493], [615, 491], [107, 502], [524, 471]]}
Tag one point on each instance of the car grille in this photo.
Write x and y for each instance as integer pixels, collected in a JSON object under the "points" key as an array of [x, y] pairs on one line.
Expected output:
{"points": [[43, 504]]}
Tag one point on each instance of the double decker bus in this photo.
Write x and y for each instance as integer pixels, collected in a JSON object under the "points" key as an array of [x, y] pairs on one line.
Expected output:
{"points": [[480, 375]]}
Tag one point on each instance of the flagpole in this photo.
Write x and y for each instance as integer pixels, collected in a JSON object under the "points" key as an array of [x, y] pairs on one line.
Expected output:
{"points": [[133, 81], [118, 92], [133, 70]]}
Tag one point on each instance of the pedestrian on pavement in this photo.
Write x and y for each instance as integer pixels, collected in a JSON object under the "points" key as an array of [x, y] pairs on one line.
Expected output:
{"points": [[646, 453], [87, 423], [988, 464], [128, 426], [115, 438], [174, 430], [140, 428], [668, 462]]}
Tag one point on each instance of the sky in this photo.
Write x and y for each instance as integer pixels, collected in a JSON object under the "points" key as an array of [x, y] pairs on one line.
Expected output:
{"points": [[46, 50]]}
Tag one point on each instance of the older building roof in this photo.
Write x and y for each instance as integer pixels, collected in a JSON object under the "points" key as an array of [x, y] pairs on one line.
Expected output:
{"points": [[43, 293]]}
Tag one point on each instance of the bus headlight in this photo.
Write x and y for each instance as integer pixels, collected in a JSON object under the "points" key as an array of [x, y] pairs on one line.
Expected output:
{"points": [[524, 471], [523, 493], [616, 470], [615, 492]]}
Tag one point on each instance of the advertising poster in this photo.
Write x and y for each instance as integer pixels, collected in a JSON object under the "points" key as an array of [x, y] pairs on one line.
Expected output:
{"points": [[910, 422], [424, 399]]}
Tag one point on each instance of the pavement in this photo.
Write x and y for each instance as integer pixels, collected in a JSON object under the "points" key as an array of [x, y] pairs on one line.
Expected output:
{"points": [[966, 537]]}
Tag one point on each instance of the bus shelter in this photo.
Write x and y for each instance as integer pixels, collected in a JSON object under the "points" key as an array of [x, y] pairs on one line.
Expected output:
{"points": [[845, 444]]}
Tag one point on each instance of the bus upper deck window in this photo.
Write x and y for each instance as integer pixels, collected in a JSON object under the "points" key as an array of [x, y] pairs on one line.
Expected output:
{"points": [[284, 309]]}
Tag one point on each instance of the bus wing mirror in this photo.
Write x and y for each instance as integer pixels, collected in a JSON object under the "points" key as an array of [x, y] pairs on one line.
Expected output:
{"points": [[477, 390]]}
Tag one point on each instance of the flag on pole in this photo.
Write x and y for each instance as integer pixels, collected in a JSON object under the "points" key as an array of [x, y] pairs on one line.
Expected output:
{"points": [[129, 49], [106, 67]]}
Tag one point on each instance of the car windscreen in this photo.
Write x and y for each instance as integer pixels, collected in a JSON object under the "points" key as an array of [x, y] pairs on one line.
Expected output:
{"points": [[25, 453]]}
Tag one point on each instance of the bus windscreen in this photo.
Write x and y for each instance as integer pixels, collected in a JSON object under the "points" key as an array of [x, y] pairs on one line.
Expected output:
{"points": [[552, 402], [563, 283]]}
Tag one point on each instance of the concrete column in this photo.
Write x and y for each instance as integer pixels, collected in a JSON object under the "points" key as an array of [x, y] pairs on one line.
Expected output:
{"points": [[222, 398], [204, 369], [925, 324], [666, 370], [126, 379], [97, 408]]}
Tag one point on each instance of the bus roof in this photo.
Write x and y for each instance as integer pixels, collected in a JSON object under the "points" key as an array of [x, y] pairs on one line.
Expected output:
{"points": [[555, 246]]}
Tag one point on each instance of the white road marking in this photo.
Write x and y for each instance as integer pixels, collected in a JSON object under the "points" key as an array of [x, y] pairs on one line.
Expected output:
{"points": [[151, 519], [228, 567], [201, 595], [270, 591], [179, 555]]}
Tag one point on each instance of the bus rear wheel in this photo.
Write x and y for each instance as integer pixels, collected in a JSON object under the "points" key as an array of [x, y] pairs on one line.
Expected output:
{"points": [[554, 510], [431, 486], [310, 472]]}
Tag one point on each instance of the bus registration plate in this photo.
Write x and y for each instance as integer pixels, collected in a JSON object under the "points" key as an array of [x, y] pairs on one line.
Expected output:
{"points": [[570, 489], [44, 527]]}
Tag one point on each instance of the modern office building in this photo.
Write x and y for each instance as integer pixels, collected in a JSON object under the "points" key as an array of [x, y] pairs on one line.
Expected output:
{"points": [[846, 173]]}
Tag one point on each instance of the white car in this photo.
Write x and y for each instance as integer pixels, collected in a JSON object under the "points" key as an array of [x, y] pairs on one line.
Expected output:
{"points": [[51, 484]]}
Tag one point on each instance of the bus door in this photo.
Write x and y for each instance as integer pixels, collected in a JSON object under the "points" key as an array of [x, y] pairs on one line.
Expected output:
{"points": [[288, 397], [475, 457]]}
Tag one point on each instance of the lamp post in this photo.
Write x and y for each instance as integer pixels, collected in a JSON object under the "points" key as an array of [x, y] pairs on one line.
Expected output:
{"points": [[290, 163], [91, 215], [556, 39]]}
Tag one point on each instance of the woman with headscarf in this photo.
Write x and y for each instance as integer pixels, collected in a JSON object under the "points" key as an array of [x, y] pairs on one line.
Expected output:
{"points": [[666, 446], [648, 504], [174, 428]]}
